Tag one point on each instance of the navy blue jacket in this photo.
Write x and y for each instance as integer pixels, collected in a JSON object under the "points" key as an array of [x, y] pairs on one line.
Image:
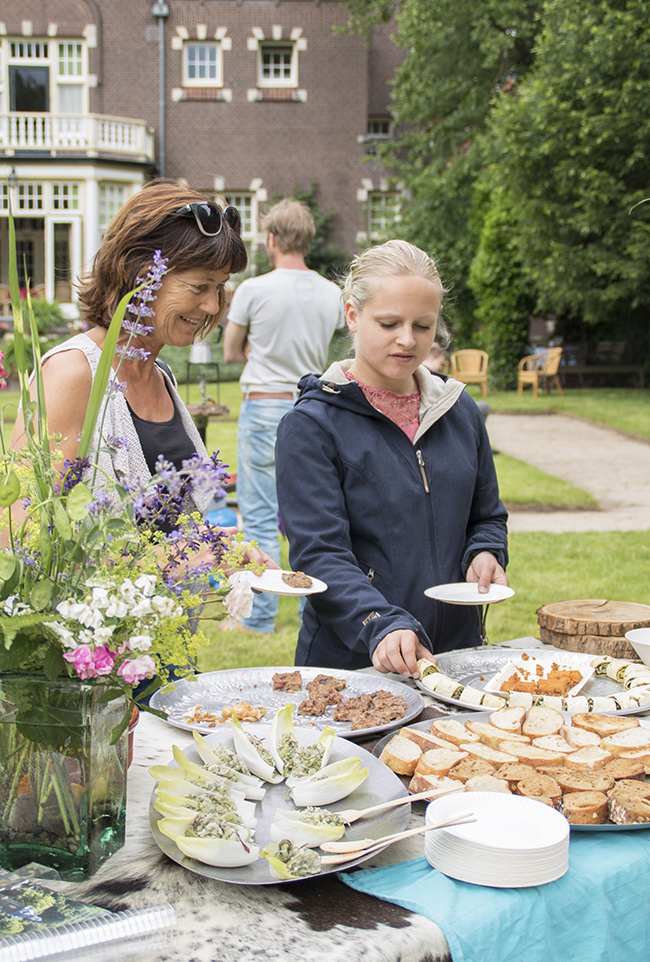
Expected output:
{"points": [[352, 491]]}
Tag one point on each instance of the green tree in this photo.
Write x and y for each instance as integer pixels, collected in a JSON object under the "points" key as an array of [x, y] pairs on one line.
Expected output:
{"points": [[570, 150]]}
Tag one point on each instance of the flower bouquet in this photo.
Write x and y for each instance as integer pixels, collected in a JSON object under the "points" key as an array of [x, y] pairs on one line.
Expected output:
{"points": [[101, 595]]}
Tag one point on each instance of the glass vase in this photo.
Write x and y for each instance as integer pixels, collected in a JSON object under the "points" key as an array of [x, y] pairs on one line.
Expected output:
{"points": [[62, 783]]}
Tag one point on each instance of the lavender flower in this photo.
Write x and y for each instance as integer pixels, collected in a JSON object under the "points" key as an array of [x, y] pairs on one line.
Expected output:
{"points": [[115, 387], [117, 441], [132, 353], [73, 473], [135, 328]]}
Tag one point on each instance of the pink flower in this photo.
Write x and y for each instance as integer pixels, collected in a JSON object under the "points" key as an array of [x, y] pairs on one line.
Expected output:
{"points": [[239, 601], [91, 662], [135, 669]]}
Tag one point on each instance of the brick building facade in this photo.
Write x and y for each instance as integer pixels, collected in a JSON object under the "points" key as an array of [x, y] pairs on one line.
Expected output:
{"points": [[244, 99]]}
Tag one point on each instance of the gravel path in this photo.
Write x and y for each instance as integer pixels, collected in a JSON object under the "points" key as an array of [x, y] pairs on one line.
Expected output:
{"points": [[614, 468]]}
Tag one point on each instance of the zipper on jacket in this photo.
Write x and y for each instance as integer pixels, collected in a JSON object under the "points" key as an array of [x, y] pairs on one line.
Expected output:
{"points": [[371, 574], [423, 472]]}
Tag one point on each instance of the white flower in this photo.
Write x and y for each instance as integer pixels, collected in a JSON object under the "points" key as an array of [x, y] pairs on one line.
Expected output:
{"points": [[239, 602], [116, 608], [103, 633], [72, 609], [100, 598], [166, 606], [90, 617], [140, 642], [86, 637], [127, 590], [146, 584], [67, 638], [14, 607], [142, 608]]}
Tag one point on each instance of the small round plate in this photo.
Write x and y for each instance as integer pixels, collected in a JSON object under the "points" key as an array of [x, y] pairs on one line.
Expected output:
{"points": [[271, 581], [466, 593]]}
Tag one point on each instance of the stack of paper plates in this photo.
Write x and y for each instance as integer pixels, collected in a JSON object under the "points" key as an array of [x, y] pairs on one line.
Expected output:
{"points": [[515, 842]]}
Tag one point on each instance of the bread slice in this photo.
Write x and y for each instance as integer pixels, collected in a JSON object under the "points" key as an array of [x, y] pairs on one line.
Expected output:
{"points": [[585, 808], [603, 724], [438, 761], [452, 731], [542, 721], [401, 755], [471, 767], [491, 736], [514, 772], [531, 755], [479, 750], [579, 737], [554, 743], [587, 759], [540, 786], [630, 740], [625, 768], [627, 810], [426, 783], [583, 781], [425, 740], [630, 786], [487, 783], [642, 756], [508, 719]]}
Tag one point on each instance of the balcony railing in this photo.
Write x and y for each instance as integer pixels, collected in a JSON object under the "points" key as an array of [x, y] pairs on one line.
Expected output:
{"points": [[93, 134]]}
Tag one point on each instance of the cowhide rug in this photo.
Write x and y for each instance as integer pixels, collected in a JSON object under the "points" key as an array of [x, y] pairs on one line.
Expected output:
{"points": [[296, 922]]}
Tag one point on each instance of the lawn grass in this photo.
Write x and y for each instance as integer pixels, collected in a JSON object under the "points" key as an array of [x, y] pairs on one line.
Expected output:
{"points": [[522, 485]]}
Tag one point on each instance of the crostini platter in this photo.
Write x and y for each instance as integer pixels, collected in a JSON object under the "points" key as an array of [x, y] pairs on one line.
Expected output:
{"points": [[482, 716]]}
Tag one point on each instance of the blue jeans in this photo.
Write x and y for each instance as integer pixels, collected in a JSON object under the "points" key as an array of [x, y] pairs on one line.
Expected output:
{"points": [[256, 494]]}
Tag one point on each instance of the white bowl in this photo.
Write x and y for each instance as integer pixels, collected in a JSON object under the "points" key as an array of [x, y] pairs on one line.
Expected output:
{"points": [[639, 638]]}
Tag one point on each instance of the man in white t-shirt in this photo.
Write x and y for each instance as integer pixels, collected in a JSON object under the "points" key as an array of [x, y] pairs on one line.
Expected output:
{"points": [[280, 326]]}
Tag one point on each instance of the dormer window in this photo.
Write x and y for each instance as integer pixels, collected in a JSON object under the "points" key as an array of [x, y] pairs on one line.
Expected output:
{"points": [[278, 65]]}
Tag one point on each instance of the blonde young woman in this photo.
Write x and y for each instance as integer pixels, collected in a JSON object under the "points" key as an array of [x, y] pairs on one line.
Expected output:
{"points": [[386, 481]]}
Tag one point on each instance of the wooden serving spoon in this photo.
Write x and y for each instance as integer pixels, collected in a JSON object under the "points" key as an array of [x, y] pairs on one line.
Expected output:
{"points": [[344, 851], [353, 814]]}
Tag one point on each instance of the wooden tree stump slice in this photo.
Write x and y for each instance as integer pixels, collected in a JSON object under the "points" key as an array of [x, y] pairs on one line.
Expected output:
{"points": [[592, 625]]}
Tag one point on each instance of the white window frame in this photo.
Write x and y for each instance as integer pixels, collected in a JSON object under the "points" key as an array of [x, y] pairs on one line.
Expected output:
{"points": [[388, 218], [65, 195], [44, 51], [246, 203], [111, 197], [266, 45], [217, 80]]}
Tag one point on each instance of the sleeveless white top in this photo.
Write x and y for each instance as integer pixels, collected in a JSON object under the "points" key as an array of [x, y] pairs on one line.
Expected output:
{"points": [[127, 463]]}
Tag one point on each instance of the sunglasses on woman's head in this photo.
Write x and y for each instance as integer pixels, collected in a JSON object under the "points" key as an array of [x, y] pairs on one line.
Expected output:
{"points": [[209, 217]]}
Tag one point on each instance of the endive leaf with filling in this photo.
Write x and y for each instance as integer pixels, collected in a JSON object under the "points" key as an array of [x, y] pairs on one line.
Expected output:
{"points": [[254, 791], [219, 843], [330, 784], [288, 861], [253, 753], [310, 826]]}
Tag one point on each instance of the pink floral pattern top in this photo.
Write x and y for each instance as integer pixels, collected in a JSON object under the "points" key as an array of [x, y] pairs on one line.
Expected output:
{"points": [[403, 409]]}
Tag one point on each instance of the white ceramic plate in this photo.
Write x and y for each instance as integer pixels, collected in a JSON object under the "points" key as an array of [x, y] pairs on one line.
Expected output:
{"points": [[525, 668], [271, 581], [381, 785], [465, 593]]}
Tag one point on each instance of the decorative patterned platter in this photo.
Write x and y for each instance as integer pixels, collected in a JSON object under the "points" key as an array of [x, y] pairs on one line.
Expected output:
{"points": [[482, 716], [381, 785], [476, 667], [215, 690]]}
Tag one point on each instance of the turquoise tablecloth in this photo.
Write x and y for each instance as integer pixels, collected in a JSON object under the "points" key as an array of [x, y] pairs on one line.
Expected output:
{"points": [[598, 912]]}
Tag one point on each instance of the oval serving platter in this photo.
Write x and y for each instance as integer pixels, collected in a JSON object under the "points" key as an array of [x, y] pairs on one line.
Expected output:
{"points": [[482, 716]]}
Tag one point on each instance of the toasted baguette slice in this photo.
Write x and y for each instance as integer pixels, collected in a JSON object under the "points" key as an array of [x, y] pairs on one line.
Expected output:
{"points": [[452, 731], [531, 755], [633, 787], [487, 783], [603, 724], [401, 755], [491, 736], [579, 737], [631, 740], [479, 750], [514, 772], [571, 780], [624, 768], [508, 719], [588, 759], [438, 761], [540, 786], [554, 743], [426, 783], [542, 721], [470, 767], [642, 756], [585, 808], [628, 810], [425, 740]]}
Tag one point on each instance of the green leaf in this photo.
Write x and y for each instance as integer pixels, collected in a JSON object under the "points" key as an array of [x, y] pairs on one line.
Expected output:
{"points": [[14, 653], [78, 500], [9, 489], [7, 566], [62, 521], [40, 595], [45, 546], [54, 665]]}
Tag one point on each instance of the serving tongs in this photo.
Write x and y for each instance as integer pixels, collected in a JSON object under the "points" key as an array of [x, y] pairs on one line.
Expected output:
{"points": [[347, 851], [353, 814]]}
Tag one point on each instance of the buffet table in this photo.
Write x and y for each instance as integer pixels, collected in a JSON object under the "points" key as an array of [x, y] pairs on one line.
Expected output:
{"points": [[597, 913]]}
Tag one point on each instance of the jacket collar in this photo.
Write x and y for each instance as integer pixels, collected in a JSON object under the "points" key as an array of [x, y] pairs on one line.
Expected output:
{"points": [[437, 395]]}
